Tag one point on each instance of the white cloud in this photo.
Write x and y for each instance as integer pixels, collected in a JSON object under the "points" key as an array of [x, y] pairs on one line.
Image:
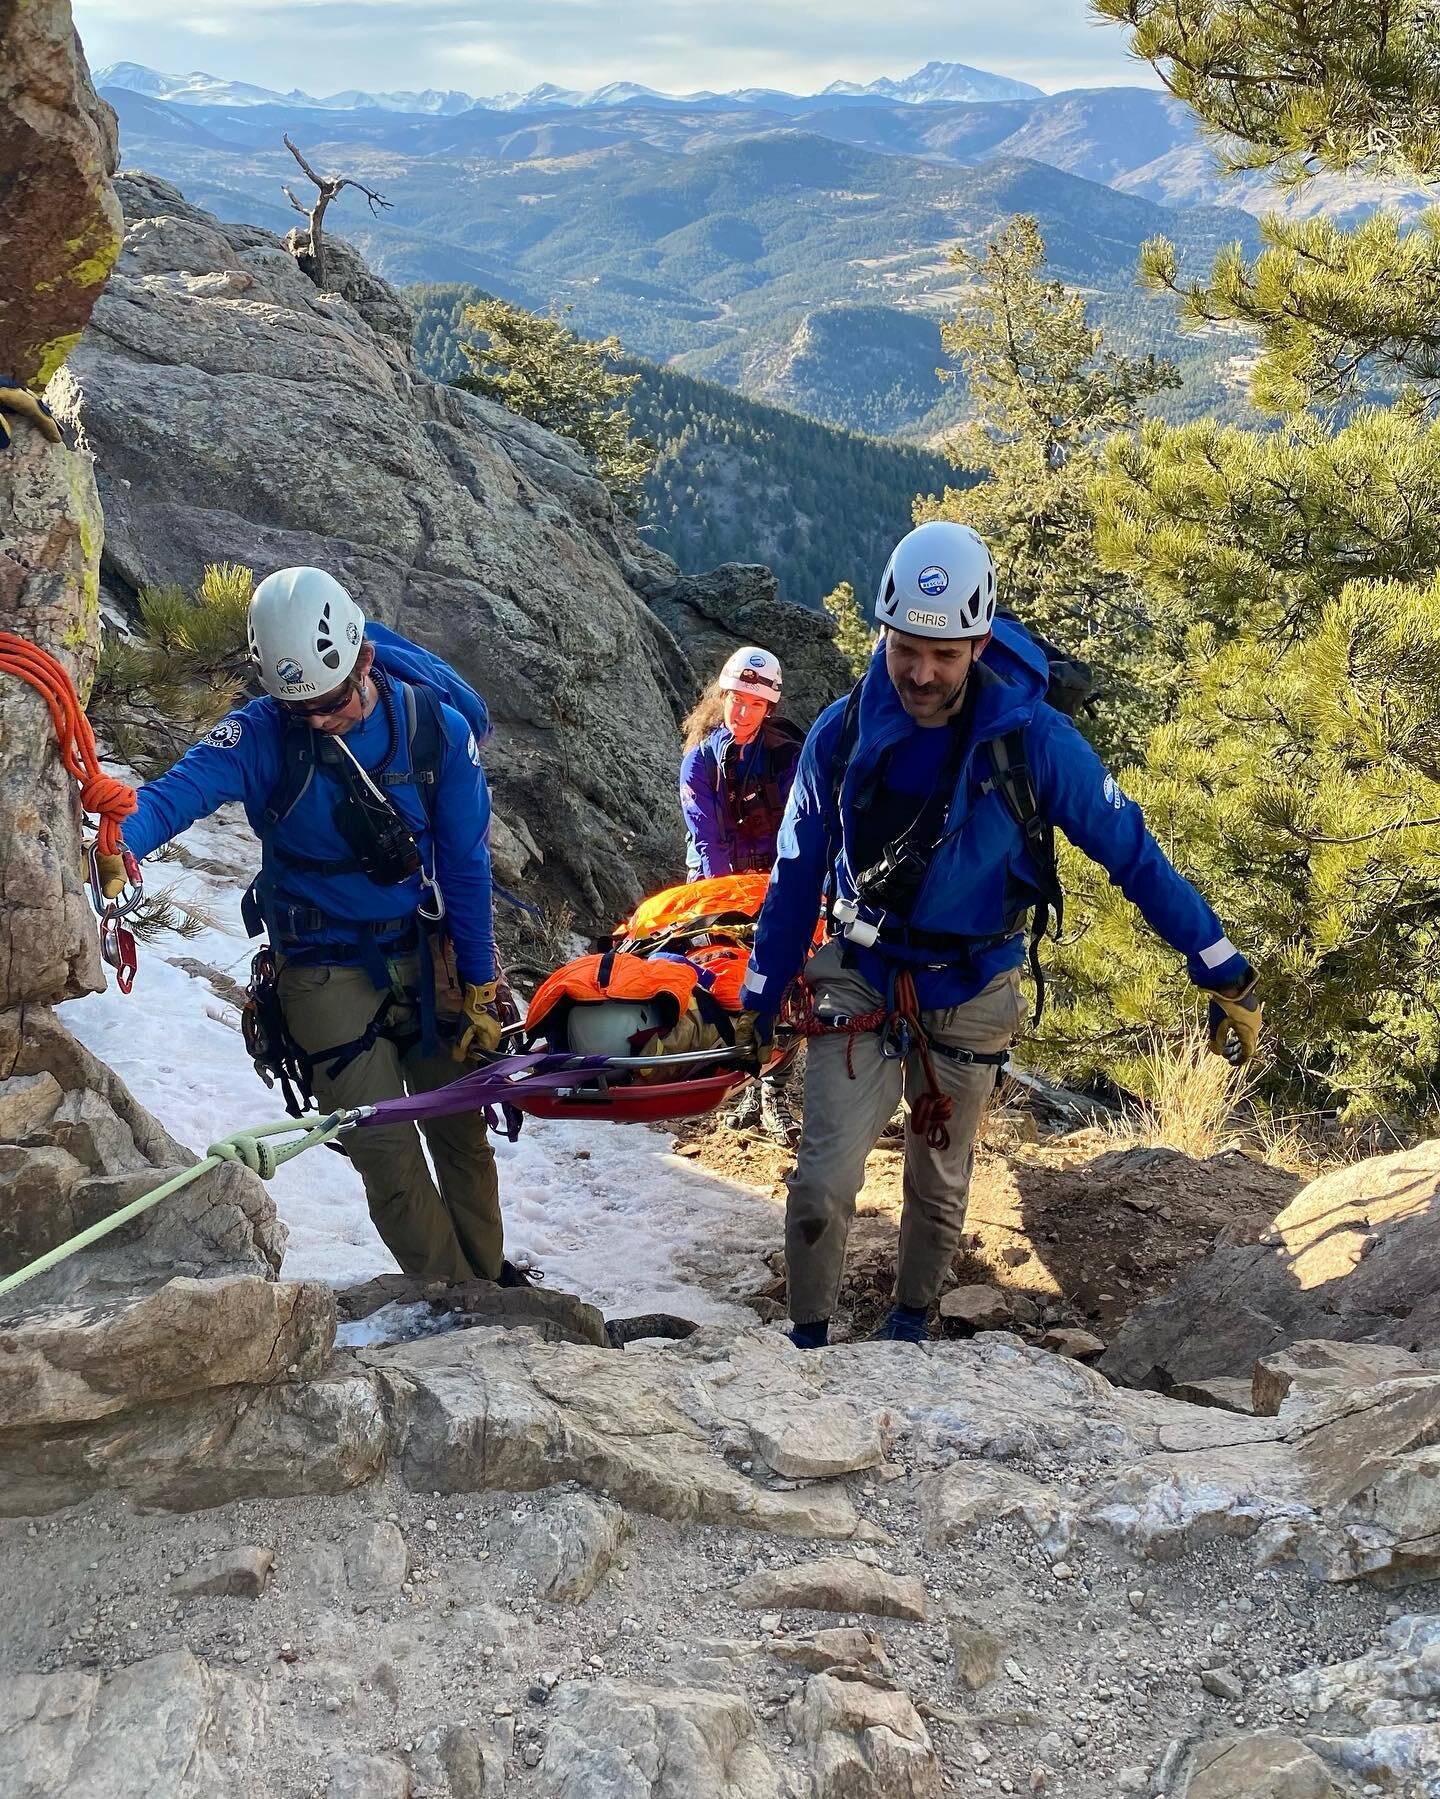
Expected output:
{"points": [[678, 45]]}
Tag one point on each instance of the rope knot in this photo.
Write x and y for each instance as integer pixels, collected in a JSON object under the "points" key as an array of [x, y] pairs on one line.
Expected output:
{"points": [[249, 1150]]}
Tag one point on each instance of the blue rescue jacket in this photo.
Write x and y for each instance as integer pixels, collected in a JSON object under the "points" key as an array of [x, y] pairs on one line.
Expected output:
{"points": [[720, 777], [243, 759], [982, 878]]}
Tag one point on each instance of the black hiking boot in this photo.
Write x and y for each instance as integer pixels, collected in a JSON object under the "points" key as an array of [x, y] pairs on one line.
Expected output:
{"points": [[511, 1276]]}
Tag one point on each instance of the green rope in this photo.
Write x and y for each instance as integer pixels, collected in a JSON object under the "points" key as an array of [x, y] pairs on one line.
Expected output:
{"points": [[250, 1148]]}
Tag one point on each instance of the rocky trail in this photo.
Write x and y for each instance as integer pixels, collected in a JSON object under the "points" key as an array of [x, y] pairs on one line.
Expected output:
{"points": [[462, 1546]]}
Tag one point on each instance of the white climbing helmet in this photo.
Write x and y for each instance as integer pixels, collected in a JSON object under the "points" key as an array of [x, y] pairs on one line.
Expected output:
{"points": [[939, 582], [612, 1027], [753, 671], [305, 633]]}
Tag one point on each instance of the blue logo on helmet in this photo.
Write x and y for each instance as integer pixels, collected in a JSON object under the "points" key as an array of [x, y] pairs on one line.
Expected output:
{"points": [[933, 581], [289, 672], [757, 661]]}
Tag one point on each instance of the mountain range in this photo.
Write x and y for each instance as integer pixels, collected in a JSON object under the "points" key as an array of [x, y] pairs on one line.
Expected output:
{"points": [[800, 260], [937, 81]]}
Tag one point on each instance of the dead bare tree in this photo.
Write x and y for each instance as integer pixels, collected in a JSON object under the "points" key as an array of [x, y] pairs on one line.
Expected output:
{"points": [[329, 186]]}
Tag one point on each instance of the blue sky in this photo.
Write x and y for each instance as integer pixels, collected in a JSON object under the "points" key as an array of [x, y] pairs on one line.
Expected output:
{"points": [[676, 45]]}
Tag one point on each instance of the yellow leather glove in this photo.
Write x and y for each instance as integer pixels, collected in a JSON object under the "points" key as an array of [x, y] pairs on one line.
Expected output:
{"points": [[1234, 1023], [18, 399], [482, 1021], [755, 1035], [113, 877]]}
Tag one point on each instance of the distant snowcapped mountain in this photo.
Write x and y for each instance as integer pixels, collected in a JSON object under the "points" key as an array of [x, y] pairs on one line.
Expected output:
{"points": [[948, 81], [200, 89], [942, 81]]}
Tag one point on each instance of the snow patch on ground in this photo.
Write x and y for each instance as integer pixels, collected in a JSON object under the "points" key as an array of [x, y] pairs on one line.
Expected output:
{"points": [[608, 1211]]}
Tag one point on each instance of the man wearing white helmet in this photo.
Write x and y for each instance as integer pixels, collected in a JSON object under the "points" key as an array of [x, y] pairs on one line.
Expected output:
{"points": [[360, 774], [923, 810]]}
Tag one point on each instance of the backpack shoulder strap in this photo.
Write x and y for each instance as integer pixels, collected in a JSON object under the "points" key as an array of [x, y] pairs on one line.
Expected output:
{"points": [[297, 770], [840, 758], [425, 737], [1016, 787]]}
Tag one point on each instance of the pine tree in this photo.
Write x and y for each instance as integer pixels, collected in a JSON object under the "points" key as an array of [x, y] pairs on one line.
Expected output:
{"points": [[539, 368], [157, 691], [1298, 781], [854, 635], [1046, 394]]}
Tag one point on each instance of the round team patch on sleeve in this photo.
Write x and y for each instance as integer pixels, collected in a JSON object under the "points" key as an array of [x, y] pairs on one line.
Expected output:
{"points": [[472, 749], [1113, 793], [225, 735]]}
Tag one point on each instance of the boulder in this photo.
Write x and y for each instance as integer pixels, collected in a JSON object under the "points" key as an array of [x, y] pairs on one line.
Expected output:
{"points": [[1394, 1682], [471, 1411], [98, 1151], [1355, 1256], [816, 1439], [239, 1573], [834, 1584], [368, 1777], [1314, 1366], [1371, 1461], [377, 1563], [1082, 1345], [568, 1544], [1226, 1393], [843, 1646], [979, 1307], [470, 529], [976, 1653], [170, 1727], [1258, 1767], [272, 1442], [27, 1102], [640, 1742], [866, 1742], [956, 1499], [63, 1366]]}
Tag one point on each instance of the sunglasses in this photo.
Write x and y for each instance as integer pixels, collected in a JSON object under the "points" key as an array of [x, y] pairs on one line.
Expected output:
{"points": [[327, 705]]}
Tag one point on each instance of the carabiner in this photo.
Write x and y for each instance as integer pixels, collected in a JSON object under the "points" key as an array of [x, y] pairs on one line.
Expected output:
{"points": [[130, 900]]}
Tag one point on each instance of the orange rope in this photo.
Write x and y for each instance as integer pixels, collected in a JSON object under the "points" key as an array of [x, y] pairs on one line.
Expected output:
{"points": [[110, 800]]}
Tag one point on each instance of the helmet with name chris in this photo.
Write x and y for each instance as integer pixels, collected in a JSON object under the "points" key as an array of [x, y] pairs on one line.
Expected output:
{"points": [[939, 582]]}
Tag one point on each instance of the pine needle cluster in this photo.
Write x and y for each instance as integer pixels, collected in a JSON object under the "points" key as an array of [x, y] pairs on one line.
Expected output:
{"points": [[536, 366], [159, 688]]}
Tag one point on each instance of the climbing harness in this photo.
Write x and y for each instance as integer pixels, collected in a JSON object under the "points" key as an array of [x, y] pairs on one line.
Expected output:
{"points": [[902, 1029], [110, 800]]}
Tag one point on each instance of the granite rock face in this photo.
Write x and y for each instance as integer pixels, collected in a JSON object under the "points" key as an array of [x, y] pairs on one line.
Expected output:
{"points": [[238, 413]]}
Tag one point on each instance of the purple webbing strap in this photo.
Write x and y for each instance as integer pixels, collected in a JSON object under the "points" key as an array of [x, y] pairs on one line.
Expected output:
{"points": [[497, 1083]]}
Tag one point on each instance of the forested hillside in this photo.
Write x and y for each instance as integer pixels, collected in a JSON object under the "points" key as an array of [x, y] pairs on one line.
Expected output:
{"points": [[739, 481]]}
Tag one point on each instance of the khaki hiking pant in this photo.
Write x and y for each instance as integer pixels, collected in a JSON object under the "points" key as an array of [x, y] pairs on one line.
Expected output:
{"points": [[844, 1118], [454, 1234]]}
